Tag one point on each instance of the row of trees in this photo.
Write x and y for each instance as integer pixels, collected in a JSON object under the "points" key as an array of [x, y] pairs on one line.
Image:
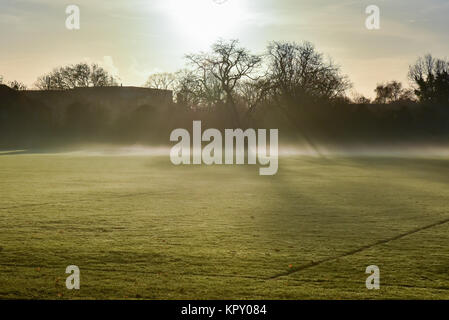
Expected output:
{"points": [[430, 82], [70, 77], [291, 86], [393, 92], [287, 74]]}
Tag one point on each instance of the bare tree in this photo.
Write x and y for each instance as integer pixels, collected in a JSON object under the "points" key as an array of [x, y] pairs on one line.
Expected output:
{"points": [[161, 81], [387, 93], [298, 70], [16, 85], [392, 92], [430, 78], [188, 89], [228, 64], [255, 92], [99, 77], [197, 90], [75, 76]]}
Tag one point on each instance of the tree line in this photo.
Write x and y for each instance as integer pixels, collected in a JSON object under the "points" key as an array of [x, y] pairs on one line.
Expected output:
{"points": [[229, 73], [292, 77], [291, 86]]}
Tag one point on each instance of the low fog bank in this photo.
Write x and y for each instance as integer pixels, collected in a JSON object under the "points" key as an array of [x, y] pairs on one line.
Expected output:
{"points": [[284, 150]]}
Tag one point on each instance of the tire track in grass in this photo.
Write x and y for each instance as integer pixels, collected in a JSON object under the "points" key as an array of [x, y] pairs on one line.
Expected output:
{"points": [[358, 250], [276, 276]]}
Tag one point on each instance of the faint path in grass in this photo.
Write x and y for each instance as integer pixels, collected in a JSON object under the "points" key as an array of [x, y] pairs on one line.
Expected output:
{"points": [[358, 250]]}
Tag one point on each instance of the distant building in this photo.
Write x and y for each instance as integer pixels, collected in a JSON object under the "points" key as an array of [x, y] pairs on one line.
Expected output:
{"points": [[117, 100], [106, 95]]}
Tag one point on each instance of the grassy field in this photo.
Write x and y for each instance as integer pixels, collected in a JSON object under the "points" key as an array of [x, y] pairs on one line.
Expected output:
{"points": [[139, 227]]}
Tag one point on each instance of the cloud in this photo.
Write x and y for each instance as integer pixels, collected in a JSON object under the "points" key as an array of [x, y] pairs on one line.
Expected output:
{"points": [[108, 65]]}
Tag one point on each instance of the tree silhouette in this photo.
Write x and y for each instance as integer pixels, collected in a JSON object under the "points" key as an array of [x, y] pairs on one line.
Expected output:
{"points": [[392, 92], [298, 71], [76, 76], [161, 81], [255, 92], [431, 79], [194, 89], [228, 64], [16, 85]]}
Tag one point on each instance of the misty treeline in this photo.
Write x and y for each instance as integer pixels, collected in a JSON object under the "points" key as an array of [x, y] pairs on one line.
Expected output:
{"points": [[291, 86], [296, 88]]}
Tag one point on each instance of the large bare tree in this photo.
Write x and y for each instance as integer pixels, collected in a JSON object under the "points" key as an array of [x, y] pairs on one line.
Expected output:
{"points": [[298, 70], [228, 64]]}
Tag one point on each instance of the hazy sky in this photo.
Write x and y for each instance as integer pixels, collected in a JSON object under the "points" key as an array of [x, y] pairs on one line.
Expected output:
{"points": [[134, 38]]}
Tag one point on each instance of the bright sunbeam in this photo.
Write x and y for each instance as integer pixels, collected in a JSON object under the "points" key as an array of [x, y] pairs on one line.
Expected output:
{"points": [[203, 21]]}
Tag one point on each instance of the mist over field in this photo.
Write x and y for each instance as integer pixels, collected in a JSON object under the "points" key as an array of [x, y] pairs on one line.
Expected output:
{"points": [[403, 151]]}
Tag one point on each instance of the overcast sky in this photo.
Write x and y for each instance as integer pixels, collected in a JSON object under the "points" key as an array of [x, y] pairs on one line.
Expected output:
{"points": [[134, 38]]}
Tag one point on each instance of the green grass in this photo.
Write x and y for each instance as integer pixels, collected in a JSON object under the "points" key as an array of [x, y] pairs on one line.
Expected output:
{"points": [[139, 227]]}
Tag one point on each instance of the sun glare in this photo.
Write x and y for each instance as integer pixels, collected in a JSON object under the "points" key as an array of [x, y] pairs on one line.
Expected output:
{"points": [[203, 21]]}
